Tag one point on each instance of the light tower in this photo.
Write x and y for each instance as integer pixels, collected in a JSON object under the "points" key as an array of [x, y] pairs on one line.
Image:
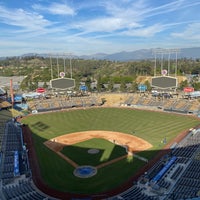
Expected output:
{"points": [[165, 79], [61, 82]]}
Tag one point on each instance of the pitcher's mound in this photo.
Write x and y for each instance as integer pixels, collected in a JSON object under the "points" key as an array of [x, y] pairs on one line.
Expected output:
{"points": [[93, 151]]}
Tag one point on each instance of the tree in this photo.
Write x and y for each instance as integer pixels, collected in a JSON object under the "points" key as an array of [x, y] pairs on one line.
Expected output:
{"points": [[110, 85], [88, 83], [123, 86], [99, 84], [33, 85], [24, 84], [196, 85], [183, 84], [45, 85], [148, 85], [134, 87]]}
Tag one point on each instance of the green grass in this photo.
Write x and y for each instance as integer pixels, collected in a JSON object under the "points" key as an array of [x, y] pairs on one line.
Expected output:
{"points": [[107, 151], [150, 126]]}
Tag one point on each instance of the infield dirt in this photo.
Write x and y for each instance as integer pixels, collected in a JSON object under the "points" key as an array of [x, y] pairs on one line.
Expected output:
{"points": [[132, 143]]}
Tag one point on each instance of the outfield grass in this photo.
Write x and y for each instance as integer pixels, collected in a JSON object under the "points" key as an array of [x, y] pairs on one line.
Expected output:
{"points": [[150, 126], [107, 151]]}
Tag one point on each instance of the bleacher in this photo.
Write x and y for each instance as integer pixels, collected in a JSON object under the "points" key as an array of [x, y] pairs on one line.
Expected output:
{"points": [[129, 101], [164, 169], [181, 180], [193, 107], [4, 104], [15, 174], [175, 176], [60, 103], [24, 190], [169, 105]]}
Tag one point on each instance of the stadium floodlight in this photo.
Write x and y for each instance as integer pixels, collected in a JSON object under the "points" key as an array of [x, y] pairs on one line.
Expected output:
{"points": [[61, 82], [164, 80], [50, 60], [163, 52]]}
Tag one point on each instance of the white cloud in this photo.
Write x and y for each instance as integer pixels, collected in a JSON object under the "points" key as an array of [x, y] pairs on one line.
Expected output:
{"points": [[23, 19], [148, 31], [108, 24], [172, 7], [55, 9], [191, 32], [129, 18], [115, 18], [98, 25], [126, 9]]}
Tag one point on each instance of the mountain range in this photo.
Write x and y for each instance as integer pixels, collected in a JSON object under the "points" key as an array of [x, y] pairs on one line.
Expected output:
{"points": [[141, 54]]}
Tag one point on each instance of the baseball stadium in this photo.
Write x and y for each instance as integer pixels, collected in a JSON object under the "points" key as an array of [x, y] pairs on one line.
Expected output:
{"points": [[101, 146], [99, 152]]}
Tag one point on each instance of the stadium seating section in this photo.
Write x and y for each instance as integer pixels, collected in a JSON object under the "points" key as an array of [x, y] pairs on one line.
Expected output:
{"points": [[174, 176]]}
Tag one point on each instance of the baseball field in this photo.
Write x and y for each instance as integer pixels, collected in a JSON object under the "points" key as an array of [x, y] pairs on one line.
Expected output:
{"points": [[64, 140]]}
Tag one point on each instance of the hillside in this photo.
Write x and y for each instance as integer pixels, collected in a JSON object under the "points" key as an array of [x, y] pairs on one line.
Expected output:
{"points": [[143, 79], [38, 71], [139, 54]]}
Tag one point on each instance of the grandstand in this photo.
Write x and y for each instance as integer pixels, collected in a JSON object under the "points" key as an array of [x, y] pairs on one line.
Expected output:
{"points": [[178, 105], [175, 176], [164, 94], [4, 104], [15, 174], [59, 103]]}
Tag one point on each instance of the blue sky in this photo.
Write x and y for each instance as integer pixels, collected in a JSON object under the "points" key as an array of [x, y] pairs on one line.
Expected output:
{"points": [[84, 27]]}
